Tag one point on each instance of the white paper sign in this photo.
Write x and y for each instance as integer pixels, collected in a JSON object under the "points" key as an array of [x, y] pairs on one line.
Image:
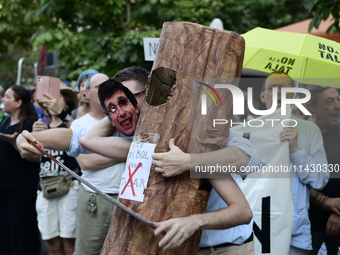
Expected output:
{"points": [[137, 170], [150, 48]]}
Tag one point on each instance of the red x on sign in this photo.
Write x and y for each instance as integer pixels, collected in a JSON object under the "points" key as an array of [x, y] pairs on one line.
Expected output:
{"points": [[130, 179]]}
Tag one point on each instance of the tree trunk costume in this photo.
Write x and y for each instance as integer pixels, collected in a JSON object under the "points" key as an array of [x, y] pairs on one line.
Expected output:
{"points": [[186, 52]]}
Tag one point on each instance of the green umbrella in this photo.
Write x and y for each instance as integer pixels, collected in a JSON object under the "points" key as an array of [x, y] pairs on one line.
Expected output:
{"points": [[305, 58]]}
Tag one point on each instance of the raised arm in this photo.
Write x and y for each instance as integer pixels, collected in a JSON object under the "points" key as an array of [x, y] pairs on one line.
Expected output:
{"points": [[54, 139], [53, 105], [99, 140]]}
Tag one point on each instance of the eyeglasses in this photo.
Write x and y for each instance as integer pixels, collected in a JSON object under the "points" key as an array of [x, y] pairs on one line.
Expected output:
{"points": [[123, 102], [138, 93]]}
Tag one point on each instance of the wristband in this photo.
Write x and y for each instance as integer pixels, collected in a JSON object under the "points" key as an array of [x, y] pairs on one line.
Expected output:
{"points": [[64, 116], [317, 198], [323, 201]]}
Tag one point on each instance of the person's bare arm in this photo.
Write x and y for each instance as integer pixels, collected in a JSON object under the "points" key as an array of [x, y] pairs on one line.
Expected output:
{"points": [[94, 161], [330, 203], [238, 212], [53, 106], [54, 139], [313, 194], [99, 140], [175, 161]]}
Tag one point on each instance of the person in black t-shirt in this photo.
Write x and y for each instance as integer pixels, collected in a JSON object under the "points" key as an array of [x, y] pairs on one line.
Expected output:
{"points": [[57, 215], [19, 234], [324, 212]]}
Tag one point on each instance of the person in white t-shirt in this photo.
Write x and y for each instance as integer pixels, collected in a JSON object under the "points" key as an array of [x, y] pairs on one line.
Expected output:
{"points": [[94, 212]]}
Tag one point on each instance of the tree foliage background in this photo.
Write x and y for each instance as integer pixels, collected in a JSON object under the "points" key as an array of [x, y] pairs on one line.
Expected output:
{"points": [[107, 35]]}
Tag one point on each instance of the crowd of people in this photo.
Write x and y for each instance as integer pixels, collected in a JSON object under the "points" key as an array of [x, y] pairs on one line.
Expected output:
{"points": [[91, 133]]}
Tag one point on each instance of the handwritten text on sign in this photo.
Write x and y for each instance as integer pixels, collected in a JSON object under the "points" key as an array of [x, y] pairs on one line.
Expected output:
{"points": [[137, 170]]}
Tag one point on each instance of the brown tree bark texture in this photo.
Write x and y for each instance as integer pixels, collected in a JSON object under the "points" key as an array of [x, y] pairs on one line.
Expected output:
{"points": [[192, 51]]}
